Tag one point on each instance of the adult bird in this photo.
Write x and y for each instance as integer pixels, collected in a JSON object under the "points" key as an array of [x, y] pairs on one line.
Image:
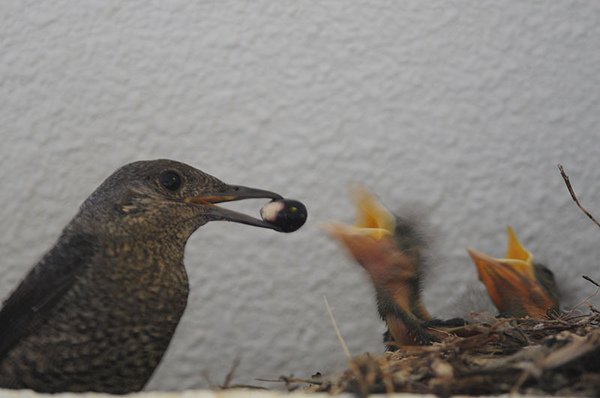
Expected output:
{"points": [[98, 311], [517, 285], [391, 250]]}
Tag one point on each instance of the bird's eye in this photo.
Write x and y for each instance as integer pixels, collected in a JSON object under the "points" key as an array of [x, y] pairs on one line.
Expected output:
{"points": [[170, 180]]}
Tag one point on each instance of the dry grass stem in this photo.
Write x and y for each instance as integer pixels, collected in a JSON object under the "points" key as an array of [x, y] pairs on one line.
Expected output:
{"points": [[572, 192], [337, 330]]}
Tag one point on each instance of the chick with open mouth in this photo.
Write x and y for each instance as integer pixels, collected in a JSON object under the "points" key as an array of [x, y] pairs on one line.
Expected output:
{"points": [[391, 250], [517, 285]]}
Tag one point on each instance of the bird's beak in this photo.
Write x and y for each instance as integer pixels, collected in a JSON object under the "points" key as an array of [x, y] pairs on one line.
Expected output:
{"points": [[511, 282], [372, 218], [230, 194], [501, 276], [373, 224], [517, 266]]}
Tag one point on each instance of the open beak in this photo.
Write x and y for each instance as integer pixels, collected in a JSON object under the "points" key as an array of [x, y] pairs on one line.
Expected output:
{"points": [[230, 194], [515, 268], [372, 219], [374, 224], [511, 282]]}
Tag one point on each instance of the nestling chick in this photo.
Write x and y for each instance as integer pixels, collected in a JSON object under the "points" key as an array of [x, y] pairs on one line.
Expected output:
{"points": [[391, 250], [517, 285]]}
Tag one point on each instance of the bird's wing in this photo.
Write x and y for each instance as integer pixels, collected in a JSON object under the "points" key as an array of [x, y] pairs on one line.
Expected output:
{"points": [[43, 286]]}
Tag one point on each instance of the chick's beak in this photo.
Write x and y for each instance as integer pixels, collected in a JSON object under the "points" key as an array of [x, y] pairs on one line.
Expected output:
{"points": [[372, 218], [511, 282], [516, 267], [500, 276], [230, 194], [516, 250], [373, 228]]}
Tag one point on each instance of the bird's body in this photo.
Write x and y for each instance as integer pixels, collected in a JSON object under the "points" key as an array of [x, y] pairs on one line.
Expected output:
{"points": [[98, 311], [110, 314]]}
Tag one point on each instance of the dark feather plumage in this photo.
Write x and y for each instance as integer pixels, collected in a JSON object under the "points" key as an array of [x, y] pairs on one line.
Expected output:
{"points": [[98, 311], [31, 302]]}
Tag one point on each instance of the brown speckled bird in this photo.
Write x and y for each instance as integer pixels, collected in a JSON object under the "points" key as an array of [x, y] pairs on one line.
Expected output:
{"points": [[391, 250], [516, 284], [99, 310]]}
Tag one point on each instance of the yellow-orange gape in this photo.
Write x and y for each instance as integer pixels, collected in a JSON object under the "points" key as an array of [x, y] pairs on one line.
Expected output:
{"points": [[516, 284]]}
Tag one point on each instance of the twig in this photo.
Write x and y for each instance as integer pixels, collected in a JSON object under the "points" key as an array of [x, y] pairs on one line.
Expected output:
{"points": [[516, 327], [570, 188], [587, 278], [337, 330], [364, 387], [292, 379], [387, 376], [525, 374], [584, 301], [248, 387], [229, 376]]}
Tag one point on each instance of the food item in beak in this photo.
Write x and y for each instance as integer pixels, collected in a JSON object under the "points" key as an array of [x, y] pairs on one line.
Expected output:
{"points": [[287, 214]]}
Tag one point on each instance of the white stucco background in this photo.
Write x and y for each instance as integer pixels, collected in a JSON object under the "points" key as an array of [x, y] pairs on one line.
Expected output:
{"points": [[463, 107]]}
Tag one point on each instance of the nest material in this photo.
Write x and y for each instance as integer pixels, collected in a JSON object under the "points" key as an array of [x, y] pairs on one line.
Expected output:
{"points": [[498, 356], [529, 356]]}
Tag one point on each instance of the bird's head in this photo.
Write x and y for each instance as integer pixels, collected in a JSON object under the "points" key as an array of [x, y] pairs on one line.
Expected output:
{"points": [[516, 284], [373, 240], [148, 197]]}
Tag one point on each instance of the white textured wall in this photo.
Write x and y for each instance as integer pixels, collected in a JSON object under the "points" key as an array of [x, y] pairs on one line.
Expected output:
{"points": [[465, 107]]}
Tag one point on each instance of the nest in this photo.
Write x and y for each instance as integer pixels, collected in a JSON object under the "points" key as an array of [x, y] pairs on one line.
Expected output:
{"points": [[491, 356], [507, 355], [558, 356]]}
